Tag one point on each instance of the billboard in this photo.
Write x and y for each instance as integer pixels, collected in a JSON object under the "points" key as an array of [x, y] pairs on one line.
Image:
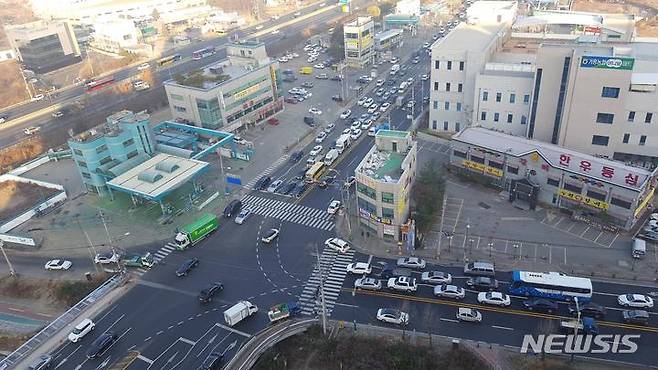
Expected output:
{"points": [[618, 63]]}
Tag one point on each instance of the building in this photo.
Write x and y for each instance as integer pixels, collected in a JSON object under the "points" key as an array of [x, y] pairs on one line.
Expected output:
{"points": [[388, 40], [115, 36], [485, 11], [408, 7], [242, 89], [359, 41], [44, 46], [535, 172], [383, 182], [607, 27]]}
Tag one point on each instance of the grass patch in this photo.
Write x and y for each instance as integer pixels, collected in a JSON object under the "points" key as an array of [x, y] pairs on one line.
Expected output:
{"points": [[64, 293]]}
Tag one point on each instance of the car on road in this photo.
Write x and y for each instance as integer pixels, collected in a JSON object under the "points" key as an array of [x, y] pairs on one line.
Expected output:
{"points": [[426, 45], [322, 76], [359, 268], [242, 216], [392, 316], [37, 97], [296, 156], [319, 66], [368, 102], [315, 151], [103, 342], [355, 134], [107, 258], [368, 283], [206, 294], [373, 108], [274, 186], [31, 130], [80, 330], [402, 283], [232, 208], [212, 362], [540, 305], [366, 125], [345, 114], [3, 119], [307, 84], [58, 114], [239, 140], [334, 206], [143, 66], [314, 110], [635, 300], [589, 309], [637, 317], [481, 283], [299, 189], [411, 104], [43, 362], [449, 291], [411, 262], [349, 182], [361, 100], [58, 265], [494, 298], [291, 100], [321, 136], [379, 82], [288, 188], [337, 244], [270, 236], [468, 314], [330, 127], [384, 106], [436, 277], [262, 183], [187, 266], [424, 77]]}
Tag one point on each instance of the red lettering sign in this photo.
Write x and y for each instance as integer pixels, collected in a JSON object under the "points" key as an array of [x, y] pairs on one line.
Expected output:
{"points": [[608, 172], [544, 166], [631, 179], [524, 161], [585, 166], [564, 160]]}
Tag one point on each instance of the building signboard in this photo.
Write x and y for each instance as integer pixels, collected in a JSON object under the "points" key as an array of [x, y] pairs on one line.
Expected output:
{"points": [[381, 220], [483, 168], [249, 90], [643, 203], [618, 63], [583, 199]]}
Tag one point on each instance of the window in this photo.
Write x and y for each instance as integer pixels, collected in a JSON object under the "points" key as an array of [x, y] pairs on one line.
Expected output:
{"points": [[101, 149], [574, 188], [513, 170], [512, 98], [180, 109], [447, 86], [457, 126], [510, 117], [485, 96], [483, 116], [600, 140], [436, 86], [526, 99], [496, 117], [620, 203], [367, 206], [387, 197], [596, 195], [477, 159], [447, 105], [496, 165], [499, 96], [132, 154], [86, 175], [610, 92], [461, 66], [77, 152], [128, 142], [449, 65], [606, 118], [524, 120], [434, 124], [105, 160], [459, 154], [436, 64], [626, 138], [631, 116], [643, 139], [459, 107], [460, 87], [82, 163], [176, 97], [387, 212], [435, 104], [366, 190], [553, 182], [648, 117], [445, 128]]}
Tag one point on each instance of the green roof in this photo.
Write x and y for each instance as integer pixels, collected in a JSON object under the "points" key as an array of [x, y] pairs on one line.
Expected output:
{"points": [[393, 133], [391, 167]]}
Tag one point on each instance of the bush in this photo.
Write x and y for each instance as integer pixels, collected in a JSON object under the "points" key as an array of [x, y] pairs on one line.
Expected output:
{"points": [[71, 292]]}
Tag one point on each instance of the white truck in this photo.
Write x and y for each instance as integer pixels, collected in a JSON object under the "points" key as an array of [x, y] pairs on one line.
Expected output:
{"points": [[343, 142], [394, 69], [331, 157], [239, 312], [140, 85]]}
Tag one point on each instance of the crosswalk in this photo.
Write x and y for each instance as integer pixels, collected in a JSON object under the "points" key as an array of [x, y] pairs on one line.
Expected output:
{"points": [[307, 216], [267, 171], [332, 269], [158, 256]]}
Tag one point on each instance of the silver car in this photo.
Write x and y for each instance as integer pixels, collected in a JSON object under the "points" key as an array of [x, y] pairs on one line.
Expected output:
{"points": [[242, 216], [368, 283], [449, 291], [411, 262], [436, 277]]}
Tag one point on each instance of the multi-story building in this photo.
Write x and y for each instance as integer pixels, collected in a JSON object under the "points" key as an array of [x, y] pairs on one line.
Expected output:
{"points": [[383, 183], [359, 41], [485, 11], [242, 89], [125, 141], [44, 46], [115, 36]]}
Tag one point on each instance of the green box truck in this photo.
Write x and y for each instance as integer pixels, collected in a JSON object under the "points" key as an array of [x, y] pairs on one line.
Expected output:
{"points": [[193, 233]]}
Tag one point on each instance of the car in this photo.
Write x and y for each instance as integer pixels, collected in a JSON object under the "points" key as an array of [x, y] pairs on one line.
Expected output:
{"points": [[345, 114], [361, 100], [379, 82], [309, 120], [449, 291], [368, 283], [243, 216], [373, 108], [336, 78], [589, 309], [312, 59], [296, 156], [337, 244], [468, 314], [275, 32], [329, 128], [347, 131], [58, 114], [291, 100], [321, 136], [424, 77], [37, 97], [315, 151], [494, 298], [336, 98], [270, 236], [239, 140], [187, 266], [143, 66], [212, 362], [334, 206], [206, 294], [402, 283], [349, 182], [426, 45], [232, 208], [635, 300], [43, 362], [307, 84], [392, 316], [58, 265], [80, 330], [638, 317], [415, 60], [31, 130], [366, 125], [274, 186], [102, 343], [359, 268], [384, 106], [322, 76], [411, 104], [411, 262], [540, 305], [262, 183], [355, 134], [319, 66], [315, 111], [368, 102], [481, 283], [107, 258], [3, 119], [436, 277], [299, 189]]}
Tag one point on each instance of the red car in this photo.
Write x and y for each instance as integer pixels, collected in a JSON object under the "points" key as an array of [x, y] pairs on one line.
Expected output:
{"points": [[290, 100], [273, 121]]}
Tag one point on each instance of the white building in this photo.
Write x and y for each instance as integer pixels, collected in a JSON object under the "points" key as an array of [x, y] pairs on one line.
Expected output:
{"points": [[408, 7], [113, 36], [485, 11], [359, 41]]}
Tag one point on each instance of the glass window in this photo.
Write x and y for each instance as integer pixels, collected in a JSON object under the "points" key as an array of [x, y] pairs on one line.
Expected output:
{"points": [[526, 98], [436, 64], [209, 112], [483, 116], [496, 165], [524, 120], [600, 140], [460, 87], [574, 188], [461, 66], [449, 65], [105, 160], [648, 117], [457, 126], [82, 163], [86, 175], [596, 195], [132, 154], [512, 98], [176, 97], [433, 124], [496, 117], [445, 127], [180, 109], [631, 116], [510, 117], [459, 107], [101, 149], [388, 212], [514, 170], [387, 197], [626, 138], [485, 95], [643, 139], [366, 190], [458, 153], [477, 159], [436, 86], [610, 92], [499, 96], [606, 118], [447, 86], [77, 152], [435, 104], [553, 182], [620, 203], [128, 142], [447, 105]]}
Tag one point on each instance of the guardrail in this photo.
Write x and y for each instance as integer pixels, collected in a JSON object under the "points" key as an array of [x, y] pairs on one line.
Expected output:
{"points": [[56, 325]]}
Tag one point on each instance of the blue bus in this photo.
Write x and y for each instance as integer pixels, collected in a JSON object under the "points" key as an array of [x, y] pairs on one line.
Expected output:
{"points": [[553, 285]]}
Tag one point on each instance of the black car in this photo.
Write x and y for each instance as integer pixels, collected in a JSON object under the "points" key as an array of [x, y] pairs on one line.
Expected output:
{"points": [[336, 78], [540, 305], [299, 189], [309, 120], [482, 284], [232, 208], [263, 183], [300, 175], [296, 156], [326, 181], [208, 292], [337, 98], [589, 309], [212, 361], [638, 317], [187, 266], [288, 188], [43, 362], [101, 344], [389, 271]]}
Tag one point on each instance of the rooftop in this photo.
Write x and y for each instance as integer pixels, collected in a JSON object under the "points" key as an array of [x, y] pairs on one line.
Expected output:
{"points": [[111, 127], [489, 6], [468, 37], [393, 134], [213, 75], [358, 21], [383, 165]]}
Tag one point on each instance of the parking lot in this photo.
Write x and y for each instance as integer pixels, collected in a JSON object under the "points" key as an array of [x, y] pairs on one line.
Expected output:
{"points": [[581, 230]]}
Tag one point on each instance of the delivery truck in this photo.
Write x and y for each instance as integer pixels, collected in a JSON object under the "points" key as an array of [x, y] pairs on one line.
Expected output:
{"points": [[137, 260], [193, 233], [331, 157], [306, 70], [239, 312], [283, 311], [342, 143]]}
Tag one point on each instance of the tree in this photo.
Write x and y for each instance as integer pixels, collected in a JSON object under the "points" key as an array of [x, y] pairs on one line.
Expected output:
{"points": [[427, 194], [374, 11], [337, 43]]}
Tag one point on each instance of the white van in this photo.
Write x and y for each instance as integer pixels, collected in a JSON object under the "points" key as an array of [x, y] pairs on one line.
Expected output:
{"points": [[342, 143], [403, 87], [639, 248], [394, 69], [330, 158], [479, 268]]}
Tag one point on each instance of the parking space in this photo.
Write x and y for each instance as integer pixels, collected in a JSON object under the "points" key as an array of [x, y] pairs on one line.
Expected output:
{"points": [[433, 147], [580, 230], [451, 214]]}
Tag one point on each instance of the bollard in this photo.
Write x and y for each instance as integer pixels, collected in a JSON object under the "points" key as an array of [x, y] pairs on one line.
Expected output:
{"points": [[455, 344]]}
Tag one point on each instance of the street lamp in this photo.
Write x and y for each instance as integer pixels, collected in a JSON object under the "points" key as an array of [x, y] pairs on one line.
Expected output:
{"points": [[575, 327]]}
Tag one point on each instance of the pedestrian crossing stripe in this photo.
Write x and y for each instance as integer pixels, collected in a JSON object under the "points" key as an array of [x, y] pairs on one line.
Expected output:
{"points": [[333, 270], [307, 216], [267, 171]]}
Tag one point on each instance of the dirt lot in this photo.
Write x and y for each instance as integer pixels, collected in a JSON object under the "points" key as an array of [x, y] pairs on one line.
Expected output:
{"points": [[16, 197], [14, 12], [12, 86]]}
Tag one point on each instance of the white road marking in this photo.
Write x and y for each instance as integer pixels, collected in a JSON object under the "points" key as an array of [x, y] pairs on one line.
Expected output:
{"points": [[501, 327], [188, 341], [247, 335], [145, 359], [449, 320]]}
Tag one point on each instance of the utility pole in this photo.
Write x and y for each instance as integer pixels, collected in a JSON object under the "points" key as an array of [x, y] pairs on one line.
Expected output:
{"points": [[443, 212], [322, 302], [12, 272], [345, 202], [91, 245]]}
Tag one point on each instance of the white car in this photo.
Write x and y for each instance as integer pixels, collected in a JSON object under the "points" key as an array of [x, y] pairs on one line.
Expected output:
{"points": [[243, 215], [329, 128], [315, 110], [58, 265], [275, 32], [426, 45], [346, 113], [635, 300], [143, 66], [392, 316], [373, 108], [368, 102], [402, 283], [38, 97], [107, 258], [311, 59], [359, 268], [362, 100], [368, 283], [347, 131], [334, 206], [316, 150], [31, 130], [366, 125], [349, 182], [58, 114], [337, 244], [411, 262], [424, 77], [239, 140], [270, 236], [355, 134], [384, 106], [321, 136], [379, 82], [319, 66], [436, 277], [259, 27], [468, 314], [449, 291], [494, 298], [80, 330], [355, 124], [274, 186], [411, 104]]}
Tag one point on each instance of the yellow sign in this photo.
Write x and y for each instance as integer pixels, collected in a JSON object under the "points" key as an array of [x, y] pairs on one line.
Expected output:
{"points": [[583, 199], [644, 203], [483, 168], [249, 90]]}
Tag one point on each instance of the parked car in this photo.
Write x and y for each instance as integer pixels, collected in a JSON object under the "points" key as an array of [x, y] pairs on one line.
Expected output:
{"points": [[315, 151], [482, 283], [59, 265], [232, 208], [368, 283], [359, 268], [449, 291], [270, 236], [334, 206], [309, 120], [43, 362], [206, 294], [436, 277], [411, 262], [345, 114], [239, 140], [494, 298], [143, 66], [392, 316], [337, 244], [107, 258], [80, 330], [274, 186], [242, 216], [468, 314], [320, 137], [103, 342], [187, 266]]}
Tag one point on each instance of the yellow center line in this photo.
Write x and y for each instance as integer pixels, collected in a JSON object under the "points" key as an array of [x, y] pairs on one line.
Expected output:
{"points": [[496, 309]]}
